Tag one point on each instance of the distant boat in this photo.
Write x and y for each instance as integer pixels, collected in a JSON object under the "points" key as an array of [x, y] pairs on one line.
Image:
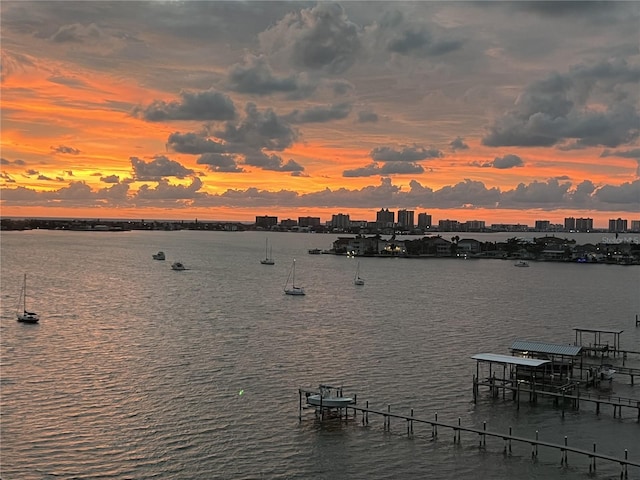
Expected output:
{"points": [[607, 372], [315, 251], [521, 263], [292, 289], [357, 280], [22, 313], [268, 257], [178, 266], [330, 397], [159, 255]]}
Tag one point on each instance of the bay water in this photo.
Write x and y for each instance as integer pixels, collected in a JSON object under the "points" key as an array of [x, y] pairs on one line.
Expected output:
{"points": [[137, 371]]}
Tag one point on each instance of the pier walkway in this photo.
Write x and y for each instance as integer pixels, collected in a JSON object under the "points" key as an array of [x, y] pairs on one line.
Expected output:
{"points": [[482, 434]]}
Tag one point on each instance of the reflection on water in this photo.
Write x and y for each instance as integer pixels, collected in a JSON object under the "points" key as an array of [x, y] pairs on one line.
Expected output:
{"points": [[135, 370]]}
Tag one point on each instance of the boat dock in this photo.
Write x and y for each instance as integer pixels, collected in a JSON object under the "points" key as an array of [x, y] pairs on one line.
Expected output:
{"points": [[482, 433]]}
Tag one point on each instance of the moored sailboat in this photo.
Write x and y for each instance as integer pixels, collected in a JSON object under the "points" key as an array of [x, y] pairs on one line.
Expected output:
{"points": [[22, 313], [293, 289]]}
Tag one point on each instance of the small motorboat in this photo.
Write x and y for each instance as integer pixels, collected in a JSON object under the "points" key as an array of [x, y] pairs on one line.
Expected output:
{"points": [[330, 397], [159, 255], [607, 372], [521, 263], [177, 266]]}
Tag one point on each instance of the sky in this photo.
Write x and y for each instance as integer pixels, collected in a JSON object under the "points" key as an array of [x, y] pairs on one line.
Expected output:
{"points": [[504, 112]]}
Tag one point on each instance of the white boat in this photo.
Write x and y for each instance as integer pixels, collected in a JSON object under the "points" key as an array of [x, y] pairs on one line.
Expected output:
{"points": [[607, 372], [521, 263], [22, 313], [268, 257], [293, 289], [159, 255], [357, 280], [178, 266], [330, 397]]}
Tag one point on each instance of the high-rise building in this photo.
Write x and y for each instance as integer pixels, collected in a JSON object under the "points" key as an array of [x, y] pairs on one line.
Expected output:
{"points": [[405, 218], [618, 225], [385, 218], [266, 221], [309, 221], [584, 224], [542, 225], [474, 226], [424, 220], [635, 225], [340, 221], [569, 223], [448, 225]]}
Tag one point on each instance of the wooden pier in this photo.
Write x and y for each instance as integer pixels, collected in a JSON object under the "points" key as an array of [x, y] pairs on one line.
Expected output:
{"points": [[482, 433]]}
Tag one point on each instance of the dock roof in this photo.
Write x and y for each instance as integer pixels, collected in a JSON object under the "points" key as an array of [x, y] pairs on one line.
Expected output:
{"points": [[543, 347], [596, 330], [508, 359]]}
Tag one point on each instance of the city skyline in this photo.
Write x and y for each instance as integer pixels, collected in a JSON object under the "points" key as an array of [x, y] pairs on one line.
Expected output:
{"points": [[501, 112]]}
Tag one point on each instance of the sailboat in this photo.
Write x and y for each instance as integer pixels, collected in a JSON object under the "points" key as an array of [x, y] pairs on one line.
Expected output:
{"points": [[293, 289], [21, 311], [357, 280], [268, 258]]}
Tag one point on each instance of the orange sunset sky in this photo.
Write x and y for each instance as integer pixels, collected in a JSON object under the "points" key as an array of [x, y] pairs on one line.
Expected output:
{"points": [[506, 112]]}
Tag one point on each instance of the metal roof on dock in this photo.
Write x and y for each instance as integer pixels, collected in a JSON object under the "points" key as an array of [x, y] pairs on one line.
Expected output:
{"points": [[509, 359], [598, 330], [543, 347]]}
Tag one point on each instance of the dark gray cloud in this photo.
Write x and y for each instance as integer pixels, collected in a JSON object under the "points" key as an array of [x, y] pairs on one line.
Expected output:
{"points": [[15, 162], [255, 76], [458, 144], [557, 110], [272, 162], [165, 191], [633, 153], [318, 38], [365, 116], [76, 33], [627, 194], [404, 154], [258, 130], [205, 105], [319, 113], [193, 143], [220, 162], [158, 168], [508, 161], [65, 150], [110, 179], [391, 168]]}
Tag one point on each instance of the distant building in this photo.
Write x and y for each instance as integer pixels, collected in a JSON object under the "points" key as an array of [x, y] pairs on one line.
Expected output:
{"points": [[340, 221], [584, 224], [309, 221], [385, 218], [405, 219], [509, 227], [473, 226], [618, 225], [542, 225], [288, 223], [266, 221], [635, 225], [448, 225], [569, 223], [424, 220]]}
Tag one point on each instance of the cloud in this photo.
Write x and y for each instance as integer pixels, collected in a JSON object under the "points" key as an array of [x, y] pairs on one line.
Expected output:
{"points": [[319, 114], [537, 194], [110, 179], [634, 153], [5, 161], [404, 154], [205, 105], [220, 162], [158, 168], [365, 116], [259, 129], [165, 191], [318, 38], [76, 33], [255, 76], [626, 194], [193, 143], [561, 110], [508, 161], [272, 162], [391, 168], [65, 150], [458, 144]]}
